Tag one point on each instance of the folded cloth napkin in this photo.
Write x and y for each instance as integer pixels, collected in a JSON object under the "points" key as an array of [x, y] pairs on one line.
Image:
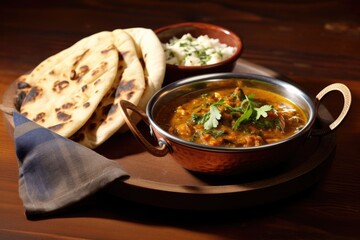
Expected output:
{"points": [[55, 172]]}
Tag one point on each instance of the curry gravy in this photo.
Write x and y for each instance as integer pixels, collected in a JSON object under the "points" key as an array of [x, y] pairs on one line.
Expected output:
{"points": [[215, 118]]}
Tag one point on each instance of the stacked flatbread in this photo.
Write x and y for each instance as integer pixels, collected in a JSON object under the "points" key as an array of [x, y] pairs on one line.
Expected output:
{"points": [[76, 92]]}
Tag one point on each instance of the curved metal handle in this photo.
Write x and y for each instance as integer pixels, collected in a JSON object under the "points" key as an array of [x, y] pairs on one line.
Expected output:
{"points": [[158, 151], [344, 90]]}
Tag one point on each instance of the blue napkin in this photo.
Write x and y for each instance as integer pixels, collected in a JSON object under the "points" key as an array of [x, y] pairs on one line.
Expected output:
{"points": [[55, 172]]}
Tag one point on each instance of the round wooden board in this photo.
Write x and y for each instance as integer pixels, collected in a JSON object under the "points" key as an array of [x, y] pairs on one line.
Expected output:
{"points": [[162, 182]]}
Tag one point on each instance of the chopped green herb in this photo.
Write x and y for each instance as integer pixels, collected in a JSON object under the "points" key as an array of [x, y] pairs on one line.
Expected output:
{"points": [[248, 110], [214, 132], [196, 118], [262, 111], [193, 137], [244, 117], [214, 116]]}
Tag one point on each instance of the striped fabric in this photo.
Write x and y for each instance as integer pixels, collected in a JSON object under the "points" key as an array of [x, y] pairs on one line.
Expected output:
{"points": [[55, 172]]}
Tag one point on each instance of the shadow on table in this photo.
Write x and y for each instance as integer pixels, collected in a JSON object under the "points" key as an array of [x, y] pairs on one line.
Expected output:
{"points": [[104, 205]]}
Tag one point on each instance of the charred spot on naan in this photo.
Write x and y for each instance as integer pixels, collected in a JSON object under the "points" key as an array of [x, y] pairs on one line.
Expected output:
{"points": [[110, 48], [32, 95], [97, 81], [39, 117], [100, 69], [60, 85], [78, 58], [19, 98], [62, 116], [126, 88], [57, 127], [67, 105], [83, 88], [73, 75], [79, 73], [82, 71], [22, 89], [23, 85], [143, 64]]}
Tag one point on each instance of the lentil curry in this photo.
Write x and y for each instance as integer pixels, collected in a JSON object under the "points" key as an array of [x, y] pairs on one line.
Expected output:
{"points": [[233, 117]]}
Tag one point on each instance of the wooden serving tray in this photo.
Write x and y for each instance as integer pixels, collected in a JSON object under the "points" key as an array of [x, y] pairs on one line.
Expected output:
{"points": [[162, 182]]}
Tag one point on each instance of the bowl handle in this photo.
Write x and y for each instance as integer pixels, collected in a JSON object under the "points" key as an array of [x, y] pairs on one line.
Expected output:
{"points": [[158, 151], [344, 90]]}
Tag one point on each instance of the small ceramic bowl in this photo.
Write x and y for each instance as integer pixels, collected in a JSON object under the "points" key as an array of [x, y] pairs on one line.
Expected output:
{"points": [[196, 29], [237, 160]]}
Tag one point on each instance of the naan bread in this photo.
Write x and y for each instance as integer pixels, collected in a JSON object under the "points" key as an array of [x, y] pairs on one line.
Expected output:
{"points": [[152, 56], [67, 87], [76, 93], [129, 85]]}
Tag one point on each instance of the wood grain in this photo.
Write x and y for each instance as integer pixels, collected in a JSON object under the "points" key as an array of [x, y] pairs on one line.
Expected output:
{"points": [[313, 43]]}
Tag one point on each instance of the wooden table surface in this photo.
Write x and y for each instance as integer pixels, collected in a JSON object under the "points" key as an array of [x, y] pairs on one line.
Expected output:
{"points": [[313, 43]]}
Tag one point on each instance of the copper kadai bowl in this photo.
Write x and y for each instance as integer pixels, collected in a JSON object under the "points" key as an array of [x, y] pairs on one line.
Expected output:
{"points": [[229, 161]]}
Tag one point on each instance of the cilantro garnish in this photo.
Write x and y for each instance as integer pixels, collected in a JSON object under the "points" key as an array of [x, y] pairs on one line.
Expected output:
{"points": [[262, 111], [214, 116], [211, 118], [248, 110]]}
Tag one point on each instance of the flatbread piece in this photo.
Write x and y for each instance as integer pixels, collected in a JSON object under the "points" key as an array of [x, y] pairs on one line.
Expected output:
{"points": [[67, 87], [129, 85]]}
